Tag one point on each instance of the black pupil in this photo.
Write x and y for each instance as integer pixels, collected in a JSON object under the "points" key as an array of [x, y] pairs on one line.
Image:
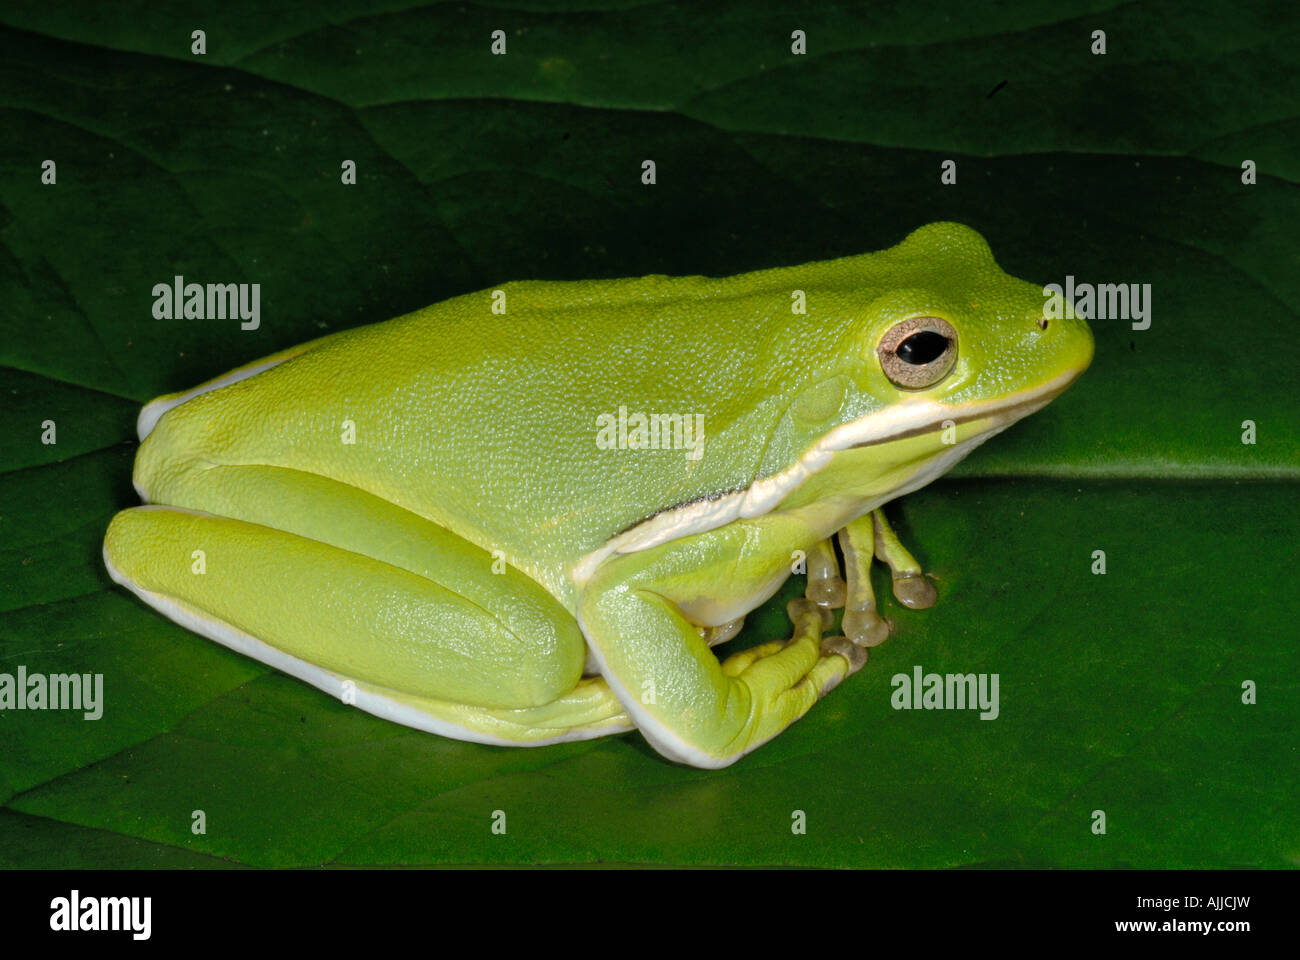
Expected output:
{"points": [[923, 347]]}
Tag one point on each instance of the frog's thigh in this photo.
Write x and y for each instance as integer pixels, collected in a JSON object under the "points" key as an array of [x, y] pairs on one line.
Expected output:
{"points": [[395, 643], [332, 576], [588, 710]]}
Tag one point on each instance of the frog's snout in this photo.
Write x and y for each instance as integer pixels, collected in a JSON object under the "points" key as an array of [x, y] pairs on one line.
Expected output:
{"points": [[1067, 342]]}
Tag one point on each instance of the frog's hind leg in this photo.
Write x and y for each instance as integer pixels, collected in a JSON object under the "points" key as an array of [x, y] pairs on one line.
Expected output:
{"points": [[587, 711], [365, 600]]}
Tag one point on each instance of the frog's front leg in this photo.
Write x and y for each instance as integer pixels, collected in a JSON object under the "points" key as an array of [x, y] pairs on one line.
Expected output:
{"points": [[864, 538], [641, 614]]}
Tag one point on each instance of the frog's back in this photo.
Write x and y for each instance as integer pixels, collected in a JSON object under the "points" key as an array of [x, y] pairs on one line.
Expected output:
{"points": [[491, 423]]}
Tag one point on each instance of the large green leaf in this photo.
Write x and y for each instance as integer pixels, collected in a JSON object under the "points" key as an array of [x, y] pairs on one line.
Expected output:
{"points": [[1120, 692]]}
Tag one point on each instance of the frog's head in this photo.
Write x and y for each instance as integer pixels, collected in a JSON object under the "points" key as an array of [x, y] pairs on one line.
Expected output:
{"points": [[947, 351]]}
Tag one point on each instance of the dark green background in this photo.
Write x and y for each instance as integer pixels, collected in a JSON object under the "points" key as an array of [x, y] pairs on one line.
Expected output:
{"points": [[1119, 692]]}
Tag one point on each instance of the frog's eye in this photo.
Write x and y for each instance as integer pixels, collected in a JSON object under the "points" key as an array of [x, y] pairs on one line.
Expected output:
{"points": [[919, 352]]}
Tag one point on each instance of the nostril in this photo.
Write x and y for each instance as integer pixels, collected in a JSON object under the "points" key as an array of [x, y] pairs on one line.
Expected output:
{"points": [[1042, 323]]}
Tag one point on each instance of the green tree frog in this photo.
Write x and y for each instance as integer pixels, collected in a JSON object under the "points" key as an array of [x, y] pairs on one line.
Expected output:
{"points": [[525, 515]]}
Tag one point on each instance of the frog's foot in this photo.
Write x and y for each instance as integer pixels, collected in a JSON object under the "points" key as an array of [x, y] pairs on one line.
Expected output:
{"points": [[809, 621]]}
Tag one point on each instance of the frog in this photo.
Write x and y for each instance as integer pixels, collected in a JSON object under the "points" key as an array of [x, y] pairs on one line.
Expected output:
{"points": [[527, 515]]}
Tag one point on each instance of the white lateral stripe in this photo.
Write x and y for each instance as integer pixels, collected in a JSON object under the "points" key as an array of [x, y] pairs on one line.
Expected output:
{"points": [[762, 495]]}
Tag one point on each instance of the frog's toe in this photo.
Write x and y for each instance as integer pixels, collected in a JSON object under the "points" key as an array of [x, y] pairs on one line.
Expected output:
{"points": [[826, 587], [855, 654], [827, 592], [801, 609], [866, 628], [915, 591], [723, 631], [911, 587]]}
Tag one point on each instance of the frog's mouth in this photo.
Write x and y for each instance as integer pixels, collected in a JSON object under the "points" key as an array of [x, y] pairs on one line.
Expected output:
{"points": [[899, 422], [912, 419], [1002, 413]]}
